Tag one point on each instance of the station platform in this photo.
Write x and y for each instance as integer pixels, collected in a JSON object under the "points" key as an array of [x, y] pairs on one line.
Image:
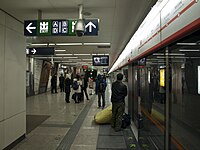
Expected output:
{"points": [[53, 124]]}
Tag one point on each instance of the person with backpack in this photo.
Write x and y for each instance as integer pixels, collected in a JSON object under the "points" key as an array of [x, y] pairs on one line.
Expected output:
{"points": [[100, 90], [76, 86]]}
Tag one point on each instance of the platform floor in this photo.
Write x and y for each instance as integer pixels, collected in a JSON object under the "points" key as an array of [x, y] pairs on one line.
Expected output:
{"points": [[53, 124]]}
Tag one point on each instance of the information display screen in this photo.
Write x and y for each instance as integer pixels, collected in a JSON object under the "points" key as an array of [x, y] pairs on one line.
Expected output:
{"points": [[102, 60]]}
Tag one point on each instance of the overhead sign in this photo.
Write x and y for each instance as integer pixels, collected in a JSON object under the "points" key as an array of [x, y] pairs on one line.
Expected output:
{"points": [[91, 27], [40, 51], [58, 27], [30, 28]]}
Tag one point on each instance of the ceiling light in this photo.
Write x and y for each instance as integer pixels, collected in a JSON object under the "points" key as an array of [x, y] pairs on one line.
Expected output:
{"points": [[71, 57], [186, 44], [158, 54], [63, 54], [75, 59], [41, 44], [41, 57], [51, 44], [176, 54], [90, 44], [60, 50], [189, 50], [82, 54], [68, 44], [86, 59], [99, 54], [62, 61]]}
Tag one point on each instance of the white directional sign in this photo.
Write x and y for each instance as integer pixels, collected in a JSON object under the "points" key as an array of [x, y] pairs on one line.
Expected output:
{"points": [[91, 27], [30, 28], [40, 51], [33, 51]]}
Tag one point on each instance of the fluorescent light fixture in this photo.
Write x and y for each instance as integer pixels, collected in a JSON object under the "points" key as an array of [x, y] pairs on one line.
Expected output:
{"points": [[176, 54], [69, 44], [52, 44], [91, 44], [71, 57], [63, 54], [64, 57], [75, 59], [82, 54], [61, 61], [172, 57], [60, 50], [189, 50], [41, 44], [186, 44], [158, 54], [41, 57], [87, 59], [170, 54], [99, 54]]}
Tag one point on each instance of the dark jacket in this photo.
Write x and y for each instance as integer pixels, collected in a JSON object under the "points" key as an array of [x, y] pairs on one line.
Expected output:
{"points": [[119, 92], [84, 83], [67, 85], [61, 80], [53, 81], [97, 84]]}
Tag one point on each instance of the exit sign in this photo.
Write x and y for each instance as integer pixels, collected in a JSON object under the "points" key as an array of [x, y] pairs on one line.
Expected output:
{"points": [[58, 27]]}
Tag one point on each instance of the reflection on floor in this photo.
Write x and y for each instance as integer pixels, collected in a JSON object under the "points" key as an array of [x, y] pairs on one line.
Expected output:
{"points": [[33, 121], [69, 126]]}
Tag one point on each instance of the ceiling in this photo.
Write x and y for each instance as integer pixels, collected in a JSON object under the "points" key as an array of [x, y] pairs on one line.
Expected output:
{"points": [[119, 19]]}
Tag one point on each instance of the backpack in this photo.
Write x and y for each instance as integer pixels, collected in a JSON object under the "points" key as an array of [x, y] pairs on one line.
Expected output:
{"points": [[126, 120], [75, 85], [102, 86]]}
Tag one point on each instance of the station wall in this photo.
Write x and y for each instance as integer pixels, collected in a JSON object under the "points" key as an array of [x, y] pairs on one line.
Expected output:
{"points": [[12, 80]]}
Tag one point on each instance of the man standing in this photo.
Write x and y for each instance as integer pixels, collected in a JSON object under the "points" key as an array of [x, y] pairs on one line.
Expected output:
{"points": [[119, 92], [84, 87], [67, 88], [100, 90], [54, 84], [61, 83]]}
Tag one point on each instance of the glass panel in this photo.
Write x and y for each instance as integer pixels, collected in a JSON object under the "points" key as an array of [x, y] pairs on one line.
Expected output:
{"points": [[185, 94], [151, 99]]}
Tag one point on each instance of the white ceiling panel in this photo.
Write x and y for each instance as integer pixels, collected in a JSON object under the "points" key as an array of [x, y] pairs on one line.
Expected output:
{"points": [[119, 19]]}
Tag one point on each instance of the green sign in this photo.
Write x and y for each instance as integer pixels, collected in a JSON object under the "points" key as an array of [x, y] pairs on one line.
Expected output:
{"points": [[71, 27], [44, 27]]}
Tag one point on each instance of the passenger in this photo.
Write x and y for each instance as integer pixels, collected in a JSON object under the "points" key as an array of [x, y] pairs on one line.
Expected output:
{"points": [[119, 92], [67, 88], [84, 87], [100, 90], [61, 83], [54, 84], [76, 85]]}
